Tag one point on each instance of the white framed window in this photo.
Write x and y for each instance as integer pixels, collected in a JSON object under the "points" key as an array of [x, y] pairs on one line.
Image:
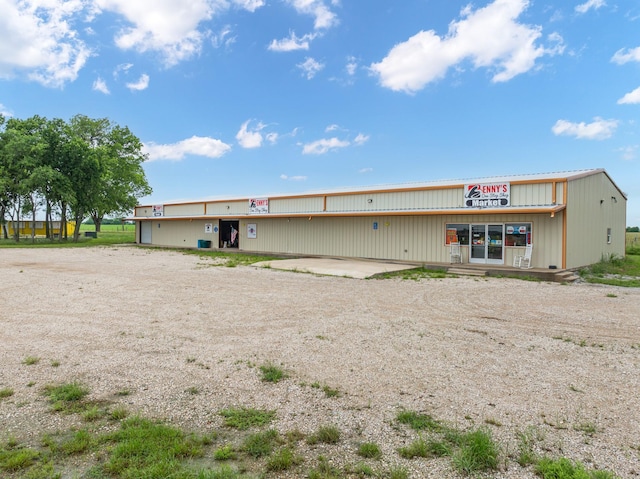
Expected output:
{"points": [[608, 235]]}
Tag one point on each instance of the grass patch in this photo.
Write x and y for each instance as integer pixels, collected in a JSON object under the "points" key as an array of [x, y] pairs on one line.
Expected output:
{"points": [[5, 393], [224, 453], [143, 448], [66, 397], [246, 418], [326, 435], [415, 274], [283, 460], [615, 271], [565, 469], [261, 444], [478, 452], [369, 450], [230, 260], [419, 422], [272, 373], [31, 360]]}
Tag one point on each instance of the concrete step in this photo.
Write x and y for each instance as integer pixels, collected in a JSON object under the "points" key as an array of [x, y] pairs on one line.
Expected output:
{"points": [[566, 277], [467, 272]]}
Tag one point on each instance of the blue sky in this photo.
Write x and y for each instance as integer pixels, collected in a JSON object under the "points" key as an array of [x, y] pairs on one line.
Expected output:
{"points": [[258, 97]]}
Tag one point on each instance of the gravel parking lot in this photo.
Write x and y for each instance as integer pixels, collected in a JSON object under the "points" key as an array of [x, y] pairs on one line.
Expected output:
{"points": [[503, 354]]}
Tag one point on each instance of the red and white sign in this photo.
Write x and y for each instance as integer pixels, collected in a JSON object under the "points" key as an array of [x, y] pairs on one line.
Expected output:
{"points": [[487, 195], [258, 206], [158, 210]]}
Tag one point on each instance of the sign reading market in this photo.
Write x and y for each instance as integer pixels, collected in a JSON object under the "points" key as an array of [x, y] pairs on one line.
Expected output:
{"points": [[487, 195], [259, 206]]}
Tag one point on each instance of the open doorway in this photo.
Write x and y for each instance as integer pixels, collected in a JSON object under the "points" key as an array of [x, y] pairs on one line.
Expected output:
{"points": [[229, 234]]}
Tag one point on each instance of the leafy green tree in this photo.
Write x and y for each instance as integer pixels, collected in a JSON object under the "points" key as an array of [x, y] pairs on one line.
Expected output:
{"points": [[120, 157]]}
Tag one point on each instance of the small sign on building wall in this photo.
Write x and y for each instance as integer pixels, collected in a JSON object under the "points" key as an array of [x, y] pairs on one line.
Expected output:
{"points": [[158, 210], [208, 228], [487, 195], [252, 231], [259, 206]]}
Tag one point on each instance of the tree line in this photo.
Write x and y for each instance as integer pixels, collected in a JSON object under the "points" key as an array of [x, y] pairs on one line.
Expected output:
{"points": [[77, 169]]}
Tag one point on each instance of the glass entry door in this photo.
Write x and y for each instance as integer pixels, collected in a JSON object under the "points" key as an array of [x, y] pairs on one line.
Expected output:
{"points": [[487, 244]]}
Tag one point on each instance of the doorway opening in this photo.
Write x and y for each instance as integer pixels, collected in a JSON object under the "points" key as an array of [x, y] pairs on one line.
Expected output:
{"points": [[229, 234], [487, 244]]}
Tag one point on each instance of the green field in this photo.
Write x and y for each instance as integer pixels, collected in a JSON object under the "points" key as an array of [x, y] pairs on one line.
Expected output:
{"points": [[109, 235]]}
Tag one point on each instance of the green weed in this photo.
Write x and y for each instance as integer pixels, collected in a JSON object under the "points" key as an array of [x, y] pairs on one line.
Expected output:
{"points": [[272, 373], [5, 393], [261, 444], [478, 452], [245, 418], [31, 360], [283, 459], [224, 453], [419, 421], [566, 469], [326, 435], [369, 450]]}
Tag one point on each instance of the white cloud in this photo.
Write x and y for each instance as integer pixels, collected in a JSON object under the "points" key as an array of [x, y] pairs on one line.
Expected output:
{"points": [[4, 111], [333, 127], [365, 170], [196, 146], [352, 66], [621, 57], [361, 139], [599, 129], [171, 28], [272, 138], [250, 5], [38, 39], [489, 37], [141, 84], [630, 98], [101, 86], [293, 178], [250, 138], [310, 67], [123, 67], [292, 43], [223, 38], [590, 4], [320, 147], [324, 17], [629, 153]]}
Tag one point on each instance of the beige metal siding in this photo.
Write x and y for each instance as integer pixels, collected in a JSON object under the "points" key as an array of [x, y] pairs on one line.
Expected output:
{"points": [[531, 194], [192, 209], [312, 204], [594, 204], [182, 234], [227, 208], [390, 201], [144, 212], [403, 238]]}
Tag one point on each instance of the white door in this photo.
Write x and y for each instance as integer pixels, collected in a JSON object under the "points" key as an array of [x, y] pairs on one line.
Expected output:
{"points": [[487, 244], [145, 232]]}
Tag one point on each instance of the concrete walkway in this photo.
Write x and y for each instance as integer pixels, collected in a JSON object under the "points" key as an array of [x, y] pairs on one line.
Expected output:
{"points": [[350, 268]]}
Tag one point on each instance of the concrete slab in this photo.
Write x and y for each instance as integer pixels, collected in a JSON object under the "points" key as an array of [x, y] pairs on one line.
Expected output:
{"points": [[351, 268]]}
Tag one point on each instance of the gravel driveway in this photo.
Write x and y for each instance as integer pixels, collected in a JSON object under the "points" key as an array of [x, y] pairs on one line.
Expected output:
{"points": [[505, 354]]}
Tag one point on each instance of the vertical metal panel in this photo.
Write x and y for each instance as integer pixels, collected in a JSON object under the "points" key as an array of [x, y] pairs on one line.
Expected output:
{"points": [[594, 204], [531, 194], [191, 209], [144, 211], [227, 208], [313, 204]]}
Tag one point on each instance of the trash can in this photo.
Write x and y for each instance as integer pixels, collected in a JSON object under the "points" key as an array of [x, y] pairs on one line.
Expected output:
{"points": [[204, 244]]}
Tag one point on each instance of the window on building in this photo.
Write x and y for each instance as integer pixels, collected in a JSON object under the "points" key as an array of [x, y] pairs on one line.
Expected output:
{"points": [[457, 233], [517, 234], [608, 235]]}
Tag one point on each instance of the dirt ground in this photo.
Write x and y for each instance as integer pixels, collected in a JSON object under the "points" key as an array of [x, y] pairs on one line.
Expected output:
{"points": [[505, 354]]}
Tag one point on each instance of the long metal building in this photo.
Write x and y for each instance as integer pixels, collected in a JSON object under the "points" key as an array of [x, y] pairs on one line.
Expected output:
{"points": [[571, 219]]}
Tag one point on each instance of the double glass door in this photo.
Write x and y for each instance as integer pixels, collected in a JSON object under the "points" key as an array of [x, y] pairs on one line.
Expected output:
{"points": [[487, 244]]}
